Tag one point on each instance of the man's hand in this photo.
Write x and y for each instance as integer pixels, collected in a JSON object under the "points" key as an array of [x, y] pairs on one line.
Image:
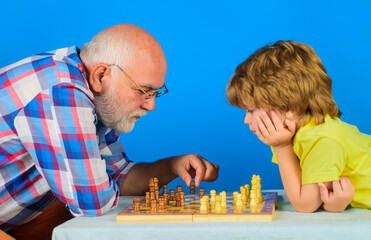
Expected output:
{"points": [[275, 131], [194, 166], [339, 198], [185, 166]]}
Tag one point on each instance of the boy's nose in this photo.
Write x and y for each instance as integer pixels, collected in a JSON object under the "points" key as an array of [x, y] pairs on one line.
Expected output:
{"points": [[247, 119]]}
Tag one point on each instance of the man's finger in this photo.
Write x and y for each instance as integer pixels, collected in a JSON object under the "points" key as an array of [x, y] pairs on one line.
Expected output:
{"points": [[199, 166], [212, 172]]}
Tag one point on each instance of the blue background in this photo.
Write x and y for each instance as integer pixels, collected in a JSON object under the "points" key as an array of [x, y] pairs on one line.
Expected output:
{"points": [[204, 41]]}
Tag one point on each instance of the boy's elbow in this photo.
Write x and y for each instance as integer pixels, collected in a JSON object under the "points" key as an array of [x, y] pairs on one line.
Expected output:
{"points": [[306, 207]]}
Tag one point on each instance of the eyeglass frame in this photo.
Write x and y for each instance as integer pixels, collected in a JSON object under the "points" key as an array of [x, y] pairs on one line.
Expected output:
{"points": [[148, 95]]}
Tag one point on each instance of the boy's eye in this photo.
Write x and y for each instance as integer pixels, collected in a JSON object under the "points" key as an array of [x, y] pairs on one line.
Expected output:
{"points": [[250, 110]]}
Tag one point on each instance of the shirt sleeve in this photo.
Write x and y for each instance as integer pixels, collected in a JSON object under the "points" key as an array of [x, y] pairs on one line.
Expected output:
{"points": [[117, 162], [57, 128], [322, 160]]}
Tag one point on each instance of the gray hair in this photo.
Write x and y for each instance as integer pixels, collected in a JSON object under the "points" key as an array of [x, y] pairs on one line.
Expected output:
{"points": [[107, 47]]}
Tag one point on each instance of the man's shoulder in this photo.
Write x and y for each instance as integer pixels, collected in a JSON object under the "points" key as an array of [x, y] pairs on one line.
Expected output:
{"points": [[43, 71]]}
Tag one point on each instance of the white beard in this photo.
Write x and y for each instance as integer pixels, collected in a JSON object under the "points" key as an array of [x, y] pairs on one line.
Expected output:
{"points": [[115, 115]]}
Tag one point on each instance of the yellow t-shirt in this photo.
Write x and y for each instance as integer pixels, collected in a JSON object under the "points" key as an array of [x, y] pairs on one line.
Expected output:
{"points": [[335, 149]]}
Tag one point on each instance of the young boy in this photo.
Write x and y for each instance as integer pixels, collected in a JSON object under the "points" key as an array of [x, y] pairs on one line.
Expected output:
{"points": [[287, 95]]}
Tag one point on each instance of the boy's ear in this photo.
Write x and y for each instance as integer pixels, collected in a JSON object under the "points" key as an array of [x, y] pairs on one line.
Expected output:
{"points": [[290, 115]]}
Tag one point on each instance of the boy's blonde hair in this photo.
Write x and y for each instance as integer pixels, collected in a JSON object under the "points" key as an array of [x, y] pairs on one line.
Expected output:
{"points": [[285, 76]]}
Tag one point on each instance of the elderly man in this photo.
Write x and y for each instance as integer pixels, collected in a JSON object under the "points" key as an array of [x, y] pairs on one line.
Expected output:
{"points": [[60, 114]]}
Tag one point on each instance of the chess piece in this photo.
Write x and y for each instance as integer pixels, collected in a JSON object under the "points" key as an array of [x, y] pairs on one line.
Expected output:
{"points": [[161, 202], [152, 192], [201, 192], [192, 188], [218, 207], [166, 196], [259, 188], [172, 195], [223, 200], [234, 198], [136, 204], [148, 199], [164, 189], [239, 205], [153, 206], [177, 198], [243, 195], [203, 205], [212, 196], [182, 200]]}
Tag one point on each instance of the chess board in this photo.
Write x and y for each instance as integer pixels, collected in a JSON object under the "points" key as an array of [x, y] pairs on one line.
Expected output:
{"points": [[190, 212]]}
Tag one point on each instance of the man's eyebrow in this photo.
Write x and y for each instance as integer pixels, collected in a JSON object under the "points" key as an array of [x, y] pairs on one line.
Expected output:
{"points": [[152, 87]]}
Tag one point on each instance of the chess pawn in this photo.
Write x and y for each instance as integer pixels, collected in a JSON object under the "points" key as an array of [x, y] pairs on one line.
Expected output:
{"points": [[218, 207], [254, 197], [243, 195], [223, 199], [164, 189], [247, 187], [136, 204], [153, 205], [201, 192], [182, 200], [203, 205], [172, 195], [148, 199], [161, 202], [179, 188], [239, 204], [207, 201], [259, 188], [166, 196], [212, 196], [177, 198], [234, 197], [254, 206]]}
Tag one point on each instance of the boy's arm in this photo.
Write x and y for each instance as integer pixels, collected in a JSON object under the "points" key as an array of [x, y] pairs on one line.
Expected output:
{"points": [[273, 132], [340, 197]]}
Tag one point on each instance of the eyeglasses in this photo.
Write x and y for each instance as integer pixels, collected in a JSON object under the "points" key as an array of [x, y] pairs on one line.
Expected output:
{"points": [[148, 95]]}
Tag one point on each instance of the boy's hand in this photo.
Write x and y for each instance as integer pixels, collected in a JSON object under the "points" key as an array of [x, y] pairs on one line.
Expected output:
{"points": [[339, 198], [276, 131]]}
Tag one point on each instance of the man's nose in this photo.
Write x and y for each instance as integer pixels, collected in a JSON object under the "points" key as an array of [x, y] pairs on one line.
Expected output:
{"points": [[149, 104]]}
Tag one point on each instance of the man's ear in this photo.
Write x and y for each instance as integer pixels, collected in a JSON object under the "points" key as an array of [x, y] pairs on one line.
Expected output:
{"points": [[99, 78]]}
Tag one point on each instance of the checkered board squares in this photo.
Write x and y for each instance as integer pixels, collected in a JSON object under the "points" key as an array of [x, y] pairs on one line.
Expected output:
{"points": [[191, 212]]}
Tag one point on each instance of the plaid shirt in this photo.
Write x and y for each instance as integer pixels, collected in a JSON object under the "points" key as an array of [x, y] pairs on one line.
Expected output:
{"points": [[51, 144]]}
